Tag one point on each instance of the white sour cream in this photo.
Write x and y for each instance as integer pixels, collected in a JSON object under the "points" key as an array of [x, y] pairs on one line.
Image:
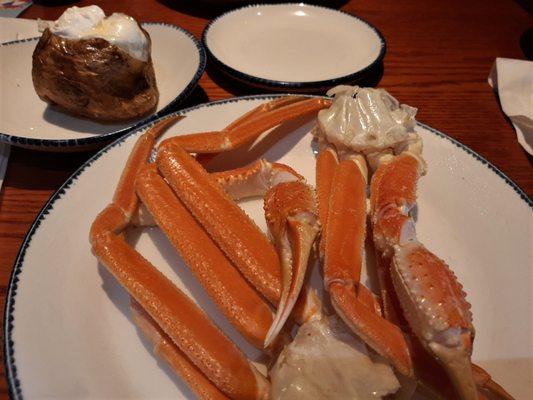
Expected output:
{"points": [[325, 361], [91, 22], [366, 120]]}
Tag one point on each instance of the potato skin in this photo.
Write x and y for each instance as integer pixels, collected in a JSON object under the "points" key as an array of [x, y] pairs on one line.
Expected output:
{"points": [[93, 78]]}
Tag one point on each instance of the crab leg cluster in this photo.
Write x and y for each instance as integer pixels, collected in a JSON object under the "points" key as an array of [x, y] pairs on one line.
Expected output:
{"points": [[214, 236], [171, 310], [432, 310], [342, 188], [421, 322]]}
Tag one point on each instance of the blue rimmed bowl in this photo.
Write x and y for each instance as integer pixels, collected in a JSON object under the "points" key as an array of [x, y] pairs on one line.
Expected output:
{"points": [[293, 46]]}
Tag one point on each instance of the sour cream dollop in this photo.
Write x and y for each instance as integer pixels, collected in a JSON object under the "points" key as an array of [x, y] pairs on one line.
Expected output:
{"points": [[366, 120], [91, 22], [325, 361]]}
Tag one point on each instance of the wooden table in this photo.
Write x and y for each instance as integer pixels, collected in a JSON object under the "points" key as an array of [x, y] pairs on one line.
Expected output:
{"points": [[438, 58]]}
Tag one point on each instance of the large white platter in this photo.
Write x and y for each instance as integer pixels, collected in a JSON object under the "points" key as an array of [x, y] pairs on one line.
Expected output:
{"points": [[295, 45], [26, 120], [68, 333]]}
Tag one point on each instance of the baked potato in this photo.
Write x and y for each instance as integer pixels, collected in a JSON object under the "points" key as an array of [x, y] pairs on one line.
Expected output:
{"points": [[93, 78]]}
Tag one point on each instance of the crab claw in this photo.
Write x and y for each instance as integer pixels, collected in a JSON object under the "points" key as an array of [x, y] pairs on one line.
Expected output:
{"points": [[435, 306], [433, 301], [291, 214], [292, 218]]}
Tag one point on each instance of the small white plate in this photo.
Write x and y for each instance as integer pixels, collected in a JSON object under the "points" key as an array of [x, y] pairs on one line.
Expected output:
{"points": [[67, 328], [27, 121], [293, 46]]}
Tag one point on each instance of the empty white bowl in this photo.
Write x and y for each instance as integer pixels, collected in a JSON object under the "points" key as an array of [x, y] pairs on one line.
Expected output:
{"points": [[293, 45]]}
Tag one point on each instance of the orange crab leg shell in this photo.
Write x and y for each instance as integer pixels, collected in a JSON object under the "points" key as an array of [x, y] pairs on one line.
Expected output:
{"points": [[383, 337], [368, 299], [202, 387], [346, 225], [250, 126], [229, 226], [345, 236], [125, 196], [186, 325], [326, 164], [241, 304]]}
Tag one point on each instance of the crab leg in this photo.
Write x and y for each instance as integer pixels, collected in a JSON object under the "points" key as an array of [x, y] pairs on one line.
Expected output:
{"points": [[184, 323], [345, 235], [326, 164], [167, 350], [125, 194], [432, 299], [235, 233], [250, 126], [258, 179], [291, 216]]}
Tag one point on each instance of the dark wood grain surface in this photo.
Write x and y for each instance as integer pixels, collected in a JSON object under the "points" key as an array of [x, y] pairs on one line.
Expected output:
{"points": [[439, 55]]}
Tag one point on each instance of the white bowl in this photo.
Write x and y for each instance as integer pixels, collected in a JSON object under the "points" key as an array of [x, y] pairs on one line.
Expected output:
{"points": [[293, 45]]}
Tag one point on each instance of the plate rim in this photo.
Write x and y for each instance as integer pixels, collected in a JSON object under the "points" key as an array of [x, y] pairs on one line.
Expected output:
{"points": [[278, 84], [13, 382], [51, 144]]}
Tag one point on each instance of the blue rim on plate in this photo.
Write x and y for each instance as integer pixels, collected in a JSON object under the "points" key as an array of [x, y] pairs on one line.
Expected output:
{"points": [[89, 142], [14, 383], [286, 85]]}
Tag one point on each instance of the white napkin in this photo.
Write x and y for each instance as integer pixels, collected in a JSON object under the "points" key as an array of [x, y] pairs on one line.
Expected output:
{"points": [[513, 80]]}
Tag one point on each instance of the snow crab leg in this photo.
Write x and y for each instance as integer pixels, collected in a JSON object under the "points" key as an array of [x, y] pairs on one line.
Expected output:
{"points": [[433, 301], [165, 348]]}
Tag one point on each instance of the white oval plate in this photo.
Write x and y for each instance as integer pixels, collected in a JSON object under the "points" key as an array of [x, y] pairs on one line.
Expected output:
{"points": [[27, 121], [68, 332], [293, 45]]}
